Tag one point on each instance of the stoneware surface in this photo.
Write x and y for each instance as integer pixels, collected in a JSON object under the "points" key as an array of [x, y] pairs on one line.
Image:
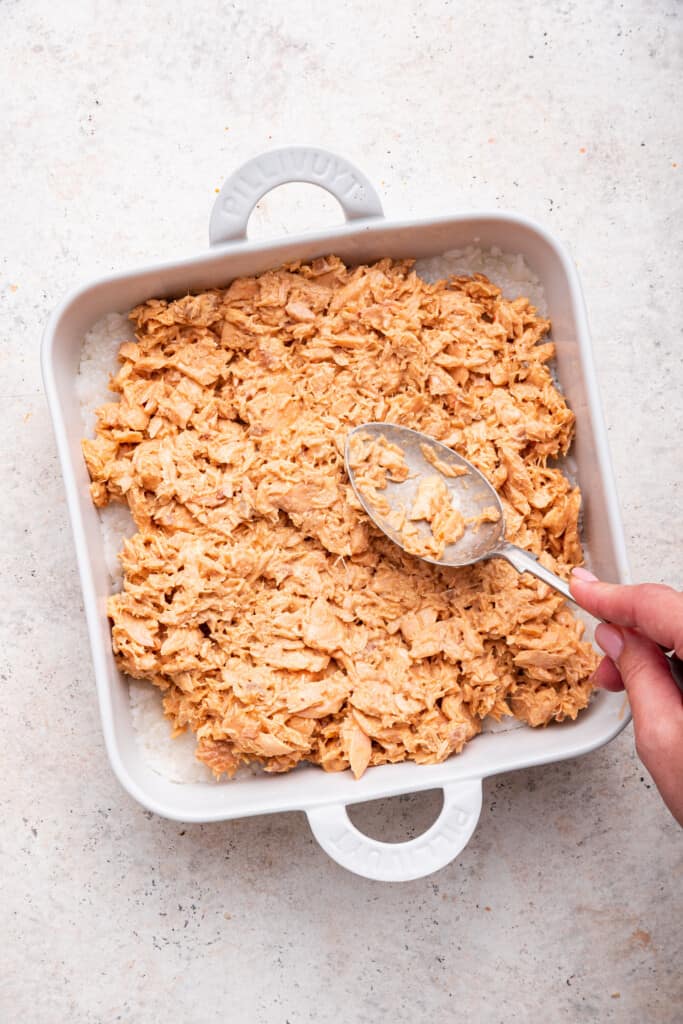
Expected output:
{"points": [[119, 123]]}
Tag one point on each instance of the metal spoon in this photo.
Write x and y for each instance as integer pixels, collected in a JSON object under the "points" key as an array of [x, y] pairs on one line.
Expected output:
{"points": [[470, 493]]}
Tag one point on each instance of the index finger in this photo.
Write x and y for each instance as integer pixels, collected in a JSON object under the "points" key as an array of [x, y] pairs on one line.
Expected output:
{"points": [[652, 608]]}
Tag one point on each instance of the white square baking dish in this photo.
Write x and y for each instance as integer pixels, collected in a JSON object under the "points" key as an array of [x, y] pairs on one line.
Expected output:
{"points": [[365, 236]]}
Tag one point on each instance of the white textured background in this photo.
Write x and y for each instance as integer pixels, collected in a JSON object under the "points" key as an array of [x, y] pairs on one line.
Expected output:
{"points": [[119, 120]]}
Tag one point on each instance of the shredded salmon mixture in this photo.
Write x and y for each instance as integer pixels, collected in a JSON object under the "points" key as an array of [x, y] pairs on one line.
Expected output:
{"points": [[279, 623], [444, 468], [433, 506]]}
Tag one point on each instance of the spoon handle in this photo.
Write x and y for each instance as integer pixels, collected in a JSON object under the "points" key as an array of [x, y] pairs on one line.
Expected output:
{"points": [[676, 666], [524, 561]]}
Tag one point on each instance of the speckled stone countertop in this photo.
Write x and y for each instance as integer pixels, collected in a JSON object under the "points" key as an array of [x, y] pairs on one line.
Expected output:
{"points": [[119, 123]]}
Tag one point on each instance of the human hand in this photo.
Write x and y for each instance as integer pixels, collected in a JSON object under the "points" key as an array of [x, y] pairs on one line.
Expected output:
{"points": [[642, 620]]}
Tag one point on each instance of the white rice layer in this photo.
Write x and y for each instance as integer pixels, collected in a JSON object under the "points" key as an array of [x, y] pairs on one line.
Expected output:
{"points": [[508, 270], [174, 759]]}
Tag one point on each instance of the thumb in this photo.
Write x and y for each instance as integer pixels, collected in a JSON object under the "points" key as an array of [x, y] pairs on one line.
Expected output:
{"points": [[656, 701]]}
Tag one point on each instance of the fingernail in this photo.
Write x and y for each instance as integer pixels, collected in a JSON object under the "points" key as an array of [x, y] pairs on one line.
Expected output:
{"points": [[584, 574], [610, 639]]}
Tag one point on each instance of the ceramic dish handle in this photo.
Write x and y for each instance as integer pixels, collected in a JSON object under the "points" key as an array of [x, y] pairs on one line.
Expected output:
{"points": [[243, 189], [400, 862]]}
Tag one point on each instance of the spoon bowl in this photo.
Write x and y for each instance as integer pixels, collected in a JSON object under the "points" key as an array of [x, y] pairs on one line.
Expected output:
{"points": [[470, 493]]}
